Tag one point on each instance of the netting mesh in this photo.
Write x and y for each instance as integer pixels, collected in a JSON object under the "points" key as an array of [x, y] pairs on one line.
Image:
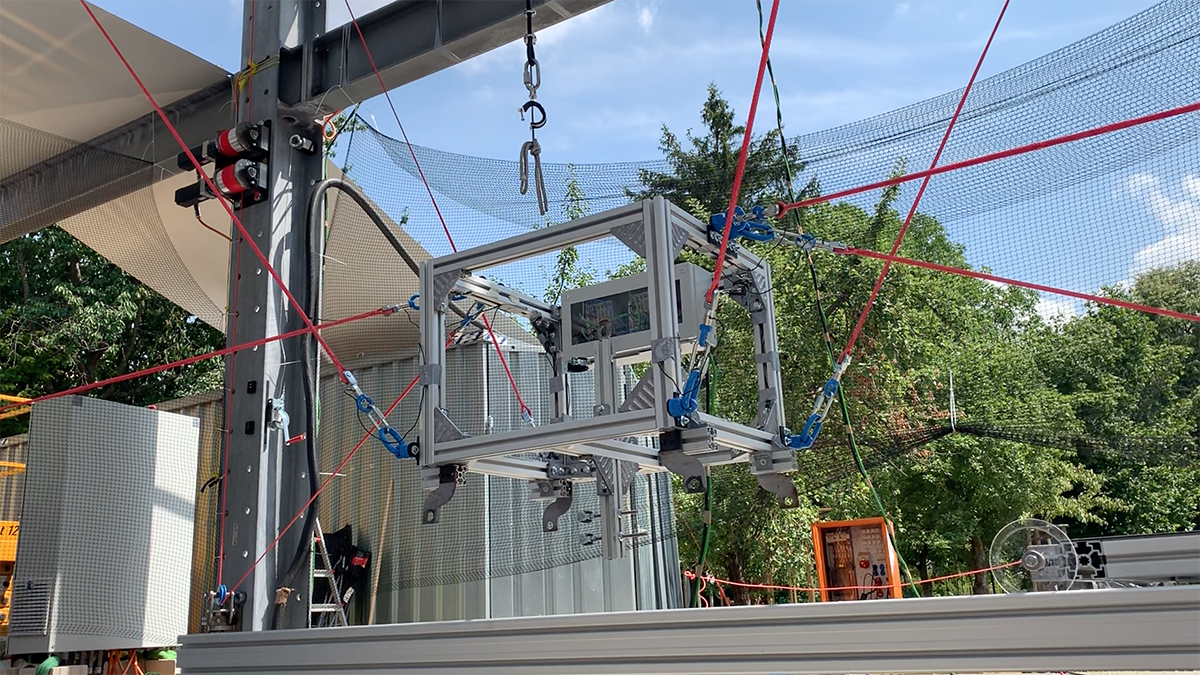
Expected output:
{"points": [[1124, 202]]}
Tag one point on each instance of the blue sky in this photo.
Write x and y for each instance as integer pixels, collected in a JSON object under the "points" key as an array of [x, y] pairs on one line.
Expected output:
{"points": [[612, 77]]}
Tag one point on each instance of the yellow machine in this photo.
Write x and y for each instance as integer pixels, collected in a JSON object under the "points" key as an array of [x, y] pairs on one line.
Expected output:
{"points": [[9, 529]]}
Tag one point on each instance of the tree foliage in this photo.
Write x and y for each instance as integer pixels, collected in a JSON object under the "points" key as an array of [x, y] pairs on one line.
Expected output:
{"points": [[68, 317], [1108, 372]]}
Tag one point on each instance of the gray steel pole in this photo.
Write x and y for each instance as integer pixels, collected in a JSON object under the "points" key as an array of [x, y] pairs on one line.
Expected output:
{"points": [[266, 481]]}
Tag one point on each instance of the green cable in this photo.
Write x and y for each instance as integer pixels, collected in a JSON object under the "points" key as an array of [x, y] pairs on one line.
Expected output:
{"points": [[812, 268], [704, 539], [46, 666]]}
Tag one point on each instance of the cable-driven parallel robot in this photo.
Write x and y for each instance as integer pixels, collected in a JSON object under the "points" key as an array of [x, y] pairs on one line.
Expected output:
{"points": [[653, 318]]}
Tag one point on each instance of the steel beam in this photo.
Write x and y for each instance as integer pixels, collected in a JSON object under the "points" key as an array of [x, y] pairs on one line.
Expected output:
{"points": [[1144, 629], [111, 166], [410, 39]]}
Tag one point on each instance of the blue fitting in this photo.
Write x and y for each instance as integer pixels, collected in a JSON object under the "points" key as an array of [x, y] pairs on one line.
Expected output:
{"points": [[686, 402], [222, 593], [754, 228], [364, 403], [831, 388], [808, 435], [705, 331], [412, 302], [394, 443]]}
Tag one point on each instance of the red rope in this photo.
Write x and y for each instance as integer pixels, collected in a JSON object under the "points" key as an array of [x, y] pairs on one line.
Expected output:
{"points": [[196, 359], [1115, 302], [887, 265], [742, 155], [349, 456], [525, 411], [236, 221], [1003, 154], [335, 472], [772, 587]]}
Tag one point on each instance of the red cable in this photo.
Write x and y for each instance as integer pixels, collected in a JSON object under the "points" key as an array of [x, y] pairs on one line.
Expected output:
{"points": [[1116, 302], [195, 359], [772, 587], [887, 265], [1003, 154], [741, 165], [214, 230], [454, 247], [335, 472], [236, 221]]}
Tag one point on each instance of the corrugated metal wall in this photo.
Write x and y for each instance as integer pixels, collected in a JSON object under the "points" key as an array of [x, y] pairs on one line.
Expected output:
{"points": [[489, 528], [12, 488]]}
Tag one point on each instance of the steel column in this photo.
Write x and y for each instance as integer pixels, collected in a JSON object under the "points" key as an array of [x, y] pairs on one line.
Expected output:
{"points": [[266, 481]]}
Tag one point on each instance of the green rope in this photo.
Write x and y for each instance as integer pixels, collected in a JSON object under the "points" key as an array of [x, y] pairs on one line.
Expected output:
{"points": [[812, 268]]}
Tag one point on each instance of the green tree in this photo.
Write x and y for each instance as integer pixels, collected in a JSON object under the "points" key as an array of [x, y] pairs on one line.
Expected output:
{"points": [[1131, 375], [950, 497], [68, 317], [569, 272]]}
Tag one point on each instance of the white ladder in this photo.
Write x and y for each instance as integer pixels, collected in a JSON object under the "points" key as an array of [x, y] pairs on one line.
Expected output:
{"points": [[323, 569]]}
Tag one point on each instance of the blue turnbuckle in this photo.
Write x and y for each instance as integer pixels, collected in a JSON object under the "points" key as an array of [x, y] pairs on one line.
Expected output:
{"points": [[388, 436], [688, 400], [812, 426], [364, 403]]}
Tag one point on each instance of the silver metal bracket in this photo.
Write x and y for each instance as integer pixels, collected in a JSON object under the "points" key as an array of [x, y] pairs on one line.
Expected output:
{"points": [[445, 431], [442, 284], [679, 239], [662, 349], [672, 456], [632, 235], [430, 374], [768, 469]]}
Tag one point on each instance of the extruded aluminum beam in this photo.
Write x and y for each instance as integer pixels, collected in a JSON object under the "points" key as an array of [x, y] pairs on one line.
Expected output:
{"points": [[1143, 629]]}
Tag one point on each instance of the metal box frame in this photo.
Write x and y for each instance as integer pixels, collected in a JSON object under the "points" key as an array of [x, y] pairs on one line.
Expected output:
{"points": [[620, 438]]}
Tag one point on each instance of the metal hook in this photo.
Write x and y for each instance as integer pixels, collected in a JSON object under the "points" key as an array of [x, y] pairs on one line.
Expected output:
{"points": [[534, 122]]}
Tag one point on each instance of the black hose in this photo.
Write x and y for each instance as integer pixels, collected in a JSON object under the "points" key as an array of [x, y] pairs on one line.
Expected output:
{"points": [[300, 560], [314, 215]]}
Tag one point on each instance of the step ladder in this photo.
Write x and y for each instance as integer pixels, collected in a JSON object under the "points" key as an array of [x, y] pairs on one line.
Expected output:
{"points": [[322, 568]]}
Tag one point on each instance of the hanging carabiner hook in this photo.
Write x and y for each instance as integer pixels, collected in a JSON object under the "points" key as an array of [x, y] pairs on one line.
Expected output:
{"points": [[530, 107]]}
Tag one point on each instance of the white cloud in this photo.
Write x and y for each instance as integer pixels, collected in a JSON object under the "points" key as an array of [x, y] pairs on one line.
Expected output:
{"points": [[1054, 309], [645, 16], [1179, 218], [902, 9]]}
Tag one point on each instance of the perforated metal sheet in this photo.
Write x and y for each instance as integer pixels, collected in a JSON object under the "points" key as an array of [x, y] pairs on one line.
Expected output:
{"points": [[105, 555]]}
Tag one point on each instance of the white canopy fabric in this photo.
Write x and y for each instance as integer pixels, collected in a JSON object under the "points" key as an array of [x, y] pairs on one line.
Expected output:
{"points": [[62, 87]]}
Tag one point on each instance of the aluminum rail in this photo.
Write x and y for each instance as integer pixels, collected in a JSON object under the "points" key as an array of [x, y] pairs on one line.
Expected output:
{"points": [[1142, 629]]}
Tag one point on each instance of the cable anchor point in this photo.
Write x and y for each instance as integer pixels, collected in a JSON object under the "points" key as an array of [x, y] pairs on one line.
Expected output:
{"points": [[812, 426], [389, 437]]}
